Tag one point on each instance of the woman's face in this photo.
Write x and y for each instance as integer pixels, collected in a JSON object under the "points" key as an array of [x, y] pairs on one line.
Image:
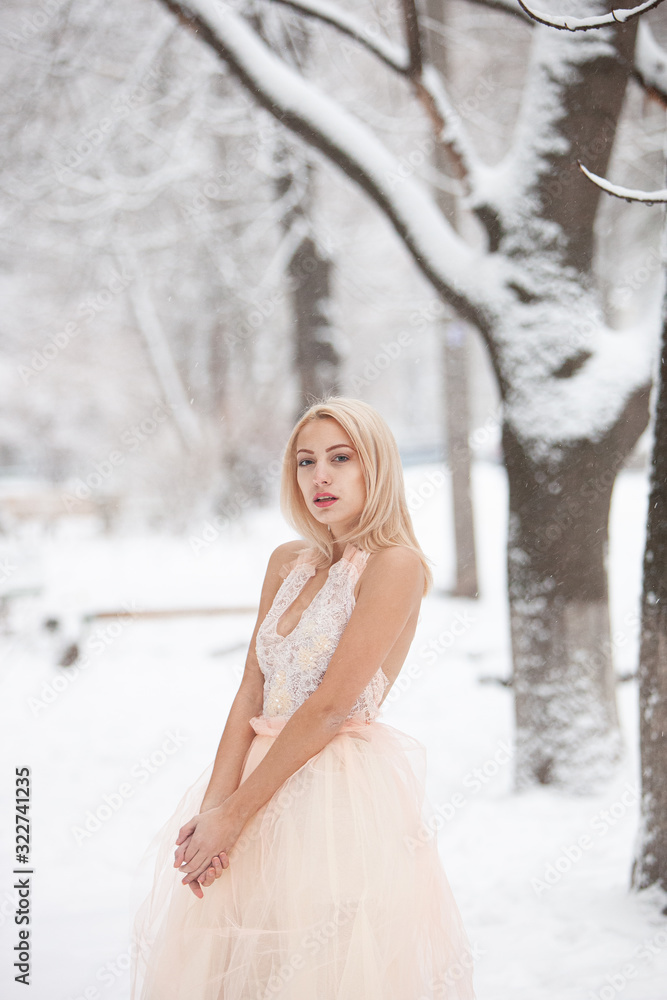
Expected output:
{"points": [[328, 466]]}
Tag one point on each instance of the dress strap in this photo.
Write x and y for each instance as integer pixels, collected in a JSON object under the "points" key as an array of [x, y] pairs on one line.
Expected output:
{"points": [[308, 557], [305, 558], [356, 556]]}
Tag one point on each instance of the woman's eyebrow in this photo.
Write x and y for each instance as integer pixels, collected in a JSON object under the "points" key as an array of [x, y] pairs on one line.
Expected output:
{"points": [[328, 449]]}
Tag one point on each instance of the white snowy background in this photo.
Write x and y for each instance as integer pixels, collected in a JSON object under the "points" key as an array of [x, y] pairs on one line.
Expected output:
{"points": [[147, 711], [88, 732]]}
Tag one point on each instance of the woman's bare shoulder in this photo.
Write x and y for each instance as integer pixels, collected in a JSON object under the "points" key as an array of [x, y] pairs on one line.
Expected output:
{"points": [[287, 549], [397, 557], [285, 553], [394, 563]]}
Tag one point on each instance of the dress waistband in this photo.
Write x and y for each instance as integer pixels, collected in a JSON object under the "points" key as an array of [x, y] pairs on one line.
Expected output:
{"points": [[271, 725]]}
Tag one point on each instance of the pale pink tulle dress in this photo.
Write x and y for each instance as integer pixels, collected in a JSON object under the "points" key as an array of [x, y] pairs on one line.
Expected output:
{"points": [[333, 891]]}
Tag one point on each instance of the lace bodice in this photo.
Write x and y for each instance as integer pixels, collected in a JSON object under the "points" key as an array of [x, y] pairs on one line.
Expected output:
{"points": [[293, 665]]}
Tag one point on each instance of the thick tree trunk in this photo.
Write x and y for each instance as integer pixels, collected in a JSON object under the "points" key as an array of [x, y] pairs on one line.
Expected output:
{"points": [[650, 864], [567, 727]]}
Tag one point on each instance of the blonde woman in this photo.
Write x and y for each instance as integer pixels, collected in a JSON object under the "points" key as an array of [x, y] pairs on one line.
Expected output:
{"points": [[304, 869]]}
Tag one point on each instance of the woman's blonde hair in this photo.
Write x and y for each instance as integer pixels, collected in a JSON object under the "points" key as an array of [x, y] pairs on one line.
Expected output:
{"points": [[385, 519]]}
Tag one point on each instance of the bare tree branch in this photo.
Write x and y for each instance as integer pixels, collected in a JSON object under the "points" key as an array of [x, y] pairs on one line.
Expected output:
{"points": [[411, 22], [506, 7], [426, 80], [394, 56], [619, 16], [627, 194]]}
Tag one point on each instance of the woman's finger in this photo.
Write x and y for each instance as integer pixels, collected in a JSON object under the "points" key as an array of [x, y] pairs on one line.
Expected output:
{"points": [[197, 889], [186, 830], [179, 853], [197, 864], [200, 867], [190, 852], [212, 873]]}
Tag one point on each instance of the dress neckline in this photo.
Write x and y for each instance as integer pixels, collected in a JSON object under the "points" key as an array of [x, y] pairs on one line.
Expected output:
{"points": [[348, 556]]}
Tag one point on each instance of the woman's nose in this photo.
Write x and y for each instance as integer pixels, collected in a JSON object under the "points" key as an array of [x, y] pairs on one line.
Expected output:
{"points": [[320, 475]]}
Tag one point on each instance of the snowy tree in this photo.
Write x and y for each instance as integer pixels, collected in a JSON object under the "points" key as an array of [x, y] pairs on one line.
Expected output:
{"points": [[650, 863], [575, 391]]}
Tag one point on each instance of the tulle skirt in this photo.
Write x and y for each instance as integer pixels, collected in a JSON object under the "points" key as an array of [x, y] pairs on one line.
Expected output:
{"points": [[335, 889]]}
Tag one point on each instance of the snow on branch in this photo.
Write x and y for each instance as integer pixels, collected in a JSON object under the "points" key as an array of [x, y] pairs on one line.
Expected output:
{"points": [[394, 56], [619, 16], [409, 63], [650, 68], [461, 274], [628, 194]]}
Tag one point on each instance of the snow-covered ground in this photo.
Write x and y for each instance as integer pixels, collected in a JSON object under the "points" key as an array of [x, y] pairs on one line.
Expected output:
{"points": [[124, 735]]}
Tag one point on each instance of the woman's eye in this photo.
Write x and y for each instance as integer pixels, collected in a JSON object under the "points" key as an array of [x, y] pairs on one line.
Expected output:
{"points": [[309, 461]]}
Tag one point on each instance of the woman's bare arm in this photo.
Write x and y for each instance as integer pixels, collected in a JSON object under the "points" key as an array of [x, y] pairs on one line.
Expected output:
{"points": [[390, 594], [238, 734]]}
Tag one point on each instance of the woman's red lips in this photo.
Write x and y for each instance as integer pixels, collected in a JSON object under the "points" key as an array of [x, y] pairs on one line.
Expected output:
{"points": [[324, 499]]}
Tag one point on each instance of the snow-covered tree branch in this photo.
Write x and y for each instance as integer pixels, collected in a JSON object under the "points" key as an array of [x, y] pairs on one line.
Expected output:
{"points": [[619, 16], [465, 279], [427, 82], [627, 194], [650, 59]]}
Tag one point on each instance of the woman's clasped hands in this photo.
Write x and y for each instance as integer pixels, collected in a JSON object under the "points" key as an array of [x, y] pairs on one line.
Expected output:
{"points": [[205, 842]]}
